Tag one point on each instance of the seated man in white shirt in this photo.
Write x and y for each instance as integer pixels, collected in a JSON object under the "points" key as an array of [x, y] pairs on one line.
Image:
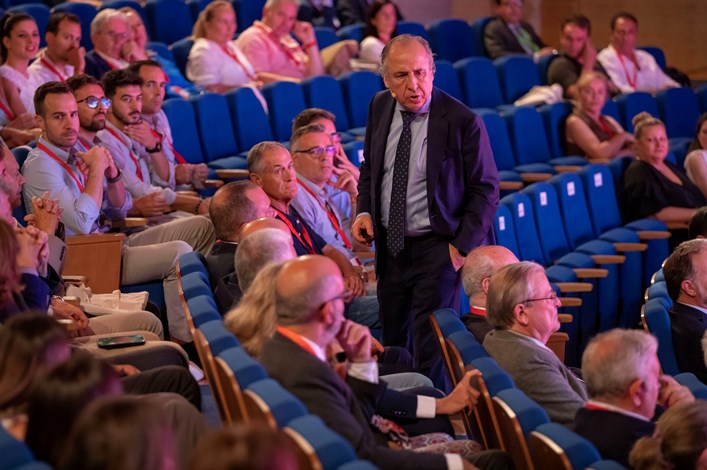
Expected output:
{"points": [[630, 69], [63, 56]]}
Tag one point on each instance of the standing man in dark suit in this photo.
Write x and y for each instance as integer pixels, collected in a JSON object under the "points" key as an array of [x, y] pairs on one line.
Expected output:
{"points": [[685, 274], [428, 193], [507, 34]]}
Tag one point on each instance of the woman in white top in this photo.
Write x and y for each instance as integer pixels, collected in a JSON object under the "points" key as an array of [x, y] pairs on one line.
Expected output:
{"points": [[381, 24], [20, 43], [215, 62], [696, 160]]}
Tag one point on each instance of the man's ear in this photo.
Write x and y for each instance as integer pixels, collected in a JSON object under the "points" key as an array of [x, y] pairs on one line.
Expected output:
{"points": [[687, 287], [40, 122], [485, 282], [255, 178], [636, 391], [521, 314]]}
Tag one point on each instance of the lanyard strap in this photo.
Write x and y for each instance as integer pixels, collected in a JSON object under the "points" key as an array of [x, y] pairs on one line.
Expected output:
{"points": [[61, 162], [606, 126], [307, 241], [296, 338], [330, 213], [6, 109], [235, 58], [287, 50], [132, 155], [631, 82], [177, 155], [52, 69]]}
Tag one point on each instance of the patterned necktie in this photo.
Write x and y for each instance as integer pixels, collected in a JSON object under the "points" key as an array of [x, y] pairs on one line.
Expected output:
{"points": [[525, 40], [398, 195]]}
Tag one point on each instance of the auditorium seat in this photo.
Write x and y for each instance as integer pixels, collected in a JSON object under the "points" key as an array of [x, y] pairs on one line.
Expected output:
{"points": [[267, 402], [451, 39], [180, 49], [285, 101], [358, 89], [86, 12], [479, 83], [13, 453], [325, 36], [611, 109], [657, 54], [234, 371], [354, 151], [493, 379], [40, 12], [353, 32], [317, 446], [251, 124], [656, 320], [161, 49], [477, 31], [446, 79], [702, 95], [554, 446], [191, 262], [168, 20], [247, 11], [606, 465], [633, 103], [182, 120], [118, 4], [554, 117], [679, 109], [218, 142], [543, 67], [517, 74], [414, 28], [324, 92], [196, 7], [689, 380]]}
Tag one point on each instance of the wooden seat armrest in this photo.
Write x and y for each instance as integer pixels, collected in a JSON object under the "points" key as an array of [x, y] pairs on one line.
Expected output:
{"points": [[609, 259], [591, 273], [213, 183], [630, 247], [365, 254], [94, 238], [97, 258], [567, 168], [676, 225], [225, 174], [573, 287], [74, 279], [564, 318], [510, 185], [653, 234], [129, 222], [535, 177], [570, 301], [188, 193]]}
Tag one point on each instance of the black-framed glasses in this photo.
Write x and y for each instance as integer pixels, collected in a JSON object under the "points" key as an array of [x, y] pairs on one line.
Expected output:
{"points": [[345, 296], [92, 102], [552, 297], [318, 151]]}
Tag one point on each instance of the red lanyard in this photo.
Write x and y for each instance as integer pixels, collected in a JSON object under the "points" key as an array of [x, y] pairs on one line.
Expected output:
{"points": [[233, 56], [330, 213], [307, 242], [605, 126], [61, 162], [296, 338], [132, 155], [287, 50], [179, 158], [6, 109], [631, 83], [52, 69], [478, 311]]}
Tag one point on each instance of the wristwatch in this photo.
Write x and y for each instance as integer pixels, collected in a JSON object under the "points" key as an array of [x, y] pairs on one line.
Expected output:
{"points": [[116, 178], [156, 148]]}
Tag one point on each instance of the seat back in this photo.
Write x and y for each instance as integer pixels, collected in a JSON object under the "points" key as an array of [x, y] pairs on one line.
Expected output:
{"points": [[247, 11], [702, 96], [191, 262], [358, 89], [182, 120], [446, 79], [236, 370], [601, 197], [606, 465], [477, 30], [250, 121], [196, 7], [161, 49], [479, 82], [40, 12], [218, 337], [658, 290], [500, 141], [517, 417], [656, 320], [86, 12], [324, 92], [168, 20], [521, 208], [285, 101], [527, 133], [543, 67], [316, 446], [689, 380], [180, 49], [267, 402], [504, 229], [414, 28], [325, 35], [548, 220], [611, 109], [657, 54], [208, 364], [445, 322], [354, 151], [351, 31], [633, 103], [203, 309], [451, 39], [118, 4], [493, 379], [573, 207], [215, 127], [680, 109], [517, 74], [554, 446], [554, 117]]}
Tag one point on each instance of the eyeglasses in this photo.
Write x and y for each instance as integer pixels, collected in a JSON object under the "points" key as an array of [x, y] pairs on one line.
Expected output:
{"points": [[345, 295], [92, 102], [552, 297], [117, 36], [335, 137], [318, 151]]}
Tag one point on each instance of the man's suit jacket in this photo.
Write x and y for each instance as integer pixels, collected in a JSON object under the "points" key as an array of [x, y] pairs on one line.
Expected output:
{"points": [[221, 261], [688, 326], [462, 179], [499, 40], [96, 66], [613, 434], [344, 410], [538, 372]]}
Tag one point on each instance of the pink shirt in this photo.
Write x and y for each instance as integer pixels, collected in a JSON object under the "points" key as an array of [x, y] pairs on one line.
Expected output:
{"points": [[266, 53]]}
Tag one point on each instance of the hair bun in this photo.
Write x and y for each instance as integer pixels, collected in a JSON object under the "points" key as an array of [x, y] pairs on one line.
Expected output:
{"points": [[640, 117]]}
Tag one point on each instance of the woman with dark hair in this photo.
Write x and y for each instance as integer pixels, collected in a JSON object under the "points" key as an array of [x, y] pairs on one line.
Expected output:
{"points": [[696, 160], [20, 43], [381, 27]]}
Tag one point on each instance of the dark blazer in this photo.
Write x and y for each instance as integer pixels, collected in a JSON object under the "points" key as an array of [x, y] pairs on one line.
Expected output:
{"points": [[462, 179], [613, 434], [351, 11], [345, 407], [227, 293], [688, 326], [96, 66], [34, 296], [477, 326], [221, 261], [499, 40]]}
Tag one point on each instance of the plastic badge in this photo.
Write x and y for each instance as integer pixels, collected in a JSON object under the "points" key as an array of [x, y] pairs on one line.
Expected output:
{"points": [[598, 181], [543, 198], [570, 188]]}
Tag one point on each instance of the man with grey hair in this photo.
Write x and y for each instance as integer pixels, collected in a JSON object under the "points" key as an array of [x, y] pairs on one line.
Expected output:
{"points": [[685, 273], [622, 374], [522, 308], [109, 33], [478, 268], [427, 194], [268, 245]]}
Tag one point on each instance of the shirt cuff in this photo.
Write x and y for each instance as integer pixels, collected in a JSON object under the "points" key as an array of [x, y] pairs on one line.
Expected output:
{"points": [[454, 462], [366, 371], [363, 213], [426, 407]]}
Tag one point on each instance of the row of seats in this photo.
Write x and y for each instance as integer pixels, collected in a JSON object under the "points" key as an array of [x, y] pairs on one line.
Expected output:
{"points": [[15, 455], [243, 391]]}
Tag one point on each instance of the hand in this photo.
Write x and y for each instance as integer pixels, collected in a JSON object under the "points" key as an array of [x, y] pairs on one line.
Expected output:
{"points": [[304, 32], [23, 121], [200, 173], [17, 137], [142, 133], [456, 257], [354, 284], [463, 396], [362, 229], [151, 204], [65, 310], [376, 348], [183, 173], [589, 55], [97, 159], [546, 51], [346, 182], [29, 247], [672, 393], [131, 52], [355, 340], [46, 213], [342, 163], [43, 255], [125, 369], [77, 58]]}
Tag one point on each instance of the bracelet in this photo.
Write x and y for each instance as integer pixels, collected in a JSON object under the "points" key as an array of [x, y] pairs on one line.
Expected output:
{"points": [[309, 44], [198, 205], [156, 148], [116, 178]]}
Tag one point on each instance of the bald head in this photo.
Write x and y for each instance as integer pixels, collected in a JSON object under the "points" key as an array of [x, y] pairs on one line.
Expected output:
{"points": [[482, 263], [260, 224], [235, 204]]}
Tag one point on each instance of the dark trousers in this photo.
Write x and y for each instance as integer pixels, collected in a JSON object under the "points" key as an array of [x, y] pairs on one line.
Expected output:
{"points": [[410, 287], [175, 379]]}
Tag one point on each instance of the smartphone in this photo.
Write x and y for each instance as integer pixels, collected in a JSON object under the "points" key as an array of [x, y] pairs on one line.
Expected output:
{"points": [[115, 342]]}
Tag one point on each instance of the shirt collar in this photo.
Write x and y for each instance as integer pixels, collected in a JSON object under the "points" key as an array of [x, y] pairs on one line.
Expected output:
{"points": [[123, 137], [315, 189], [616, 409], [120, 63], [701, 309], [424, 109], [318, 351], [530, 338], [68, 157]]}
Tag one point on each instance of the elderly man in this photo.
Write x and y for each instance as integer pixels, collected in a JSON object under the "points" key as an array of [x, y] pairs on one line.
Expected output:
{"points": [[427, 194], [624, 383], [507, 34], [522, 308], [109, 33], [64, 55], [309, 308], [630, 69], [482, 263], [685, 274]]}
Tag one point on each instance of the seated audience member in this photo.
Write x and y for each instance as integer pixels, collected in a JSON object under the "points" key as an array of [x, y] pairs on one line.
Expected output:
{"points": [[522, 308], [507, 34], [252, 446], [277, 56], [135, 50], [109, 33], [121, 433], [631, 69], [319, 13], [621, 371], [139, 152], [480, 264], [216, 63], [577, 56], [654, 187], [685, 273], [309, 294], [20, 43], [698, 224], [154, 83], [64, 56], [598, 137], [381, 27], [354, 11], [696, 160], [678, 443]]}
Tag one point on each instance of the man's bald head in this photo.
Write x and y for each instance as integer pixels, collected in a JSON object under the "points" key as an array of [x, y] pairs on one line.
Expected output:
{"points": [[260, 248], [479, 266], [234, 204], [260, 224]]}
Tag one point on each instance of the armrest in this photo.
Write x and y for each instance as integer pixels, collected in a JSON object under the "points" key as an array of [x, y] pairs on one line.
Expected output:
{"points": [[75, 279], [574, 287], [365, 254], [128, 222], [570, 301], [228, 174], [591, 273], [213, 183], [97, 258], [609, 259], [510, 185], [564, 318], [652, 234], [535, 177], [188, 193], [676, 225], [630, 247], [567, 168]]}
